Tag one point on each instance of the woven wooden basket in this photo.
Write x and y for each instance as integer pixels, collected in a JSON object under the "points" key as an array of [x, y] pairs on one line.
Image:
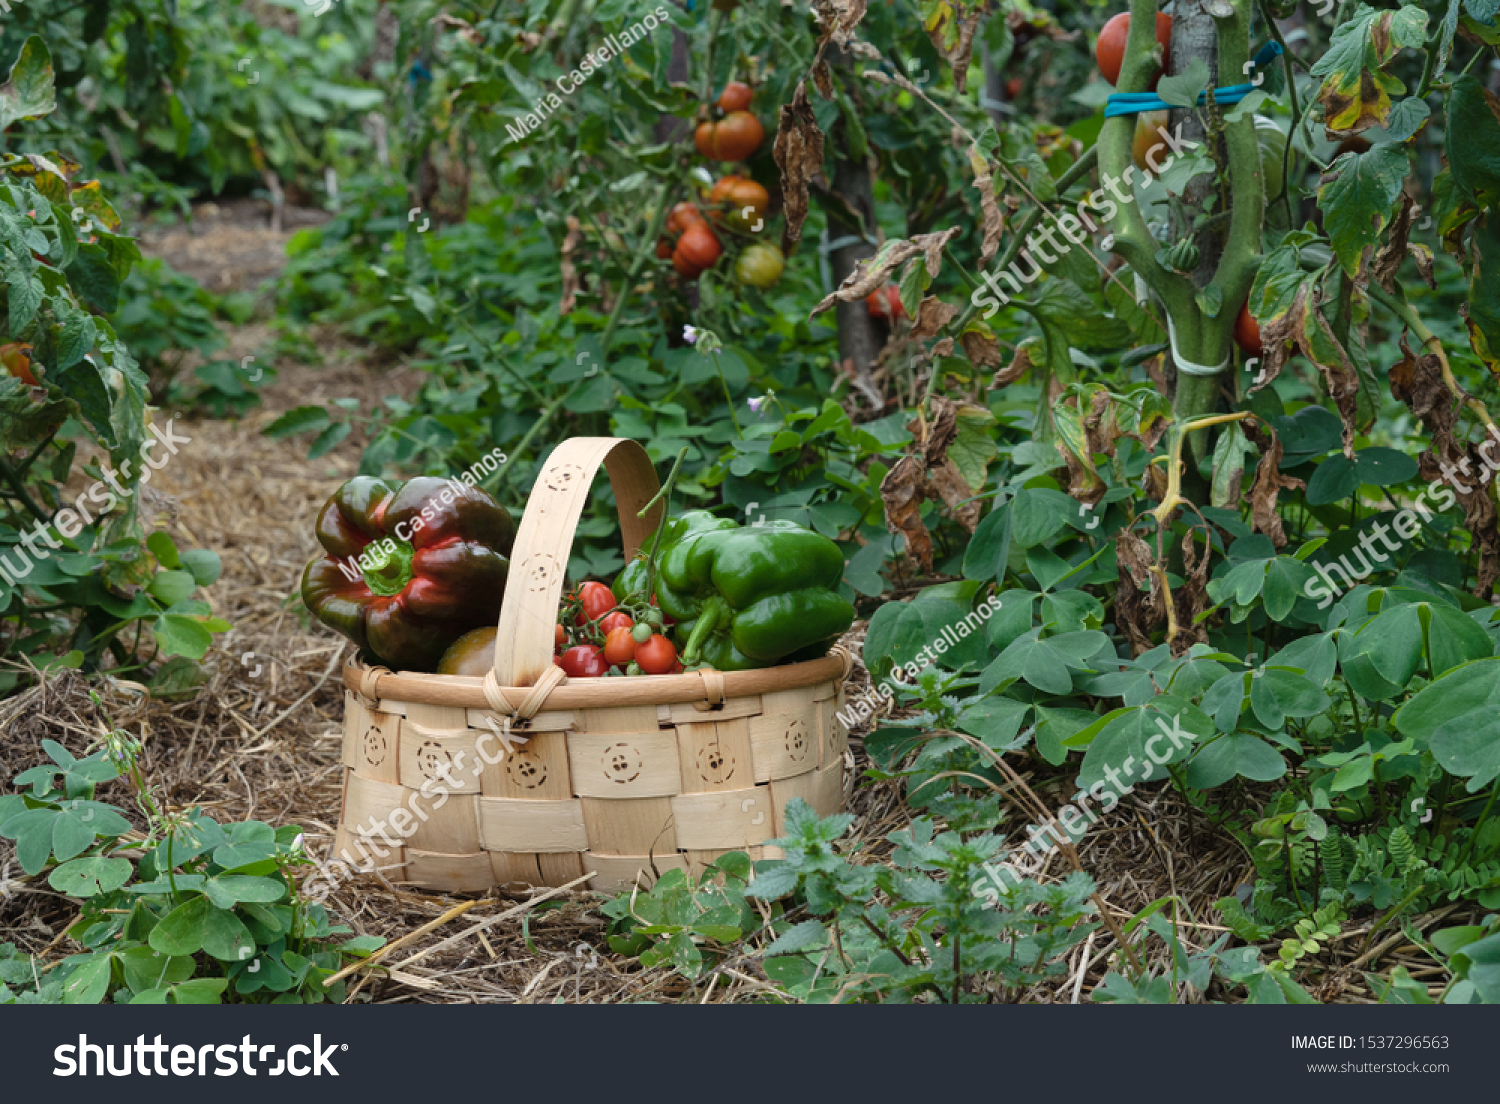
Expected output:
{"points": [[524, 777]]}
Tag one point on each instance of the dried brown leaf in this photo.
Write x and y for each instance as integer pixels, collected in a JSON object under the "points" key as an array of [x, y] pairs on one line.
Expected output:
{"points": [[1389, 256], [903, 491], [1137, 613], [868, 275], [1269, 482], [798, 151], [994, 221], [932, 315], [954, 489], [569, 270], [952, 31]]}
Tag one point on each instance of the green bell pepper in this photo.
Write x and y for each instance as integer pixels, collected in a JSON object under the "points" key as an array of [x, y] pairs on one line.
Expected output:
{"points": [[633, 579], [750, 597]]}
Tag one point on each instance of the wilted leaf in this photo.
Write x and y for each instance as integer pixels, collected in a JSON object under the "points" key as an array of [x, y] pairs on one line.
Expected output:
{"points": [[1356, 197], [28, 93], [951, 25], [903, 490], [932, 316], [798, 151], [1269, 483], [1356, 93], [1230, 453], [871, 274], [994, 221]]}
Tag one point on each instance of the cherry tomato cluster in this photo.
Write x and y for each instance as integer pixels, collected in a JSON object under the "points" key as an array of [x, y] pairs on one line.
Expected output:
{"points": [[735, 201], [598, 636]]}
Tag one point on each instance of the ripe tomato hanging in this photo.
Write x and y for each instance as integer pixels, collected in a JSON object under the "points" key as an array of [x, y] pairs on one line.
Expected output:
{"points": [[1247, 332], [1109, 52], [733, 138], [696, 250], [735, 97]]}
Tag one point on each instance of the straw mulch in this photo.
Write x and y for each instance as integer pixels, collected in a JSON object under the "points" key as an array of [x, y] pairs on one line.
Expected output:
{"points": [[262, 740]]}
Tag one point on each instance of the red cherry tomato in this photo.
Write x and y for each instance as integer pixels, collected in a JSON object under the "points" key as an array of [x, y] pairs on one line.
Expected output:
{"points": [[597, 600], [656, 656], [618, 619], [619, 647], [584, 661], [560, 638], [1247, 332]]}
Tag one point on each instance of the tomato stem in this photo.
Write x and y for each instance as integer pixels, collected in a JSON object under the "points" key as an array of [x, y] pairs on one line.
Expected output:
{"points": [[387, 567]]}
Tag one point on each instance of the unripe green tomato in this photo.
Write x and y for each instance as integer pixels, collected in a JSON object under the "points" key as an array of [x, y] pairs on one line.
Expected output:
{"points": [[760, 265], [641, 632]]}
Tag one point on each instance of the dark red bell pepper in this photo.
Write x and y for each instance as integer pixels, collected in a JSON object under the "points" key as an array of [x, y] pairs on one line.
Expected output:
{"points": [[410, 568]]}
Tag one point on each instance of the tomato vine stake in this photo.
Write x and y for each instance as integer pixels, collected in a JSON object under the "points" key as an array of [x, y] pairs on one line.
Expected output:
{"points": [[1199, 319]]}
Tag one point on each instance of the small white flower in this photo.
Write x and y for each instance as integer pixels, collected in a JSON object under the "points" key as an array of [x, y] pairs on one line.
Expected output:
{"points": [[690, 334]]}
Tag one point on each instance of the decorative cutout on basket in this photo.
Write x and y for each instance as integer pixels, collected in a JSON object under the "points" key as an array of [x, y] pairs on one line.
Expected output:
{"points": [[563, 477], [435, 762], [622, 763], [538, 571], [374, 747], [797, 743], [526, 769], [715, 765]]}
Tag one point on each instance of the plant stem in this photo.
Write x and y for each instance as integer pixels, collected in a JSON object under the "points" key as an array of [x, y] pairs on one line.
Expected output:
{"points": [[728, 399], [22, 494], [664, 494], [643, 250], [1478, 824]]}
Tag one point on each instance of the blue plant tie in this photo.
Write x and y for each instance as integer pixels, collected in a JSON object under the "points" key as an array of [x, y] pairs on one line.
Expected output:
{"points": [[1131, 103]]}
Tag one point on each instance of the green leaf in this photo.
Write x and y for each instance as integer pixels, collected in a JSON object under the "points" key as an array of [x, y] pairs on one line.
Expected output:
{"points": [[303, 419], [181, 636], [204, 564], [1231, 453], [1459, 717], [1238, 755], [896, 634], [1333, 480], [1037, 513], [974, 445], [91, 876], [808, 935], [1356, 200], [1382, 467], [28, 94], [89, 983], [1473, 141], [181, 931], [1181, 90], [228, 890], [171, 587], [989, 547], [224, 936]]}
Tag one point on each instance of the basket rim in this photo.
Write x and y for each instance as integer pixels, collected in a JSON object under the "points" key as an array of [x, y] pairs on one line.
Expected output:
{"points": [[462, 691]]}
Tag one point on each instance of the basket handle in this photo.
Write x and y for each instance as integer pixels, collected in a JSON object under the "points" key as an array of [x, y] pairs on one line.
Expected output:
{"points": [[539, 560]]}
